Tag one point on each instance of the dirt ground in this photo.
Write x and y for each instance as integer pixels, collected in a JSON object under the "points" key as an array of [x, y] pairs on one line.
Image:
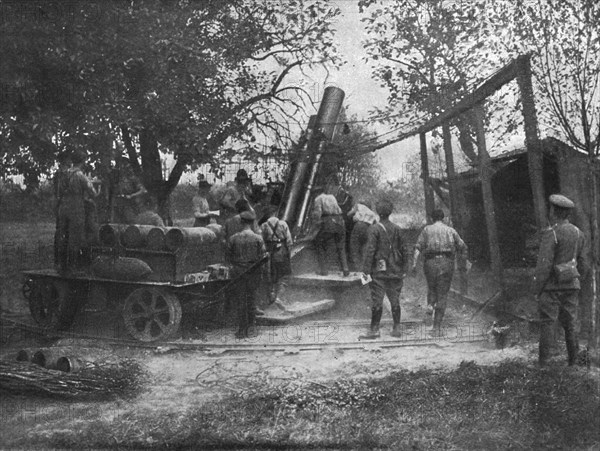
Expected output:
{"points": [[180, 381], [318, 348]]}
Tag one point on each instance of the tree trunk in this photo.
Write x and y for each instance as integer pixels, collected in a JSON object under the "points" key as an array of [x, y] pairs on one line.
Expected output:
{"points": [[464, 137], [595, 241]]}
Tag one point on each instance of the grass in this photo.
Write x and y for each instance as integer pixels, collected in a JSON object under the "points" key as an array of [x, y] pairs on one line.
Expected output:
{"points": [[511, 405]]}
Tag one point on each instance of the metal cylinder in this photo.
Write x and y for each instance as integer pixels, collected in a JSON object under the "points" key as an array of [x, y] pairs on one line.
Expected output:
{"points": [[71, 364], [325, 124], [47, 358], [188, 236], [296, 178], [109, 234], [156, 239], [135, 236], [24, 355]]}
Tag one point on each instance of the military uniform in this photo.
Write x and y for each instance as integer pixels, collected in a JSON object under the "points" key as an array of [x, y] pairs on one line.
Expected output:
{"points": [[278, 241], [383, 239], [363, 218], [245, 248], [73, 192], [127, 209], [439, 244], [60, 182], [559, 300], [327, 216]]}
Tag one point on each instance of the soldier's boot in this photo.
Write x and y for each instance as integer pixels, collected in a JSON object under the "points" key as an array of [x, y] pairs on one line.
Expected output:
{"points": [[572, 346], [545, 343], [438, 316], [373, 331], [396, 317]]}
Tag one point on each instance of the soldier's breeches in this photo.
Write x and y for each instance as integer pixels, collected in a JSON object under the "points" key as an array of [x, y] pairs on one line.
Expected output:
{"points": [[358, 241], [561, 306], [245, 294], [380, 287], [438, 272], [70, 234]]}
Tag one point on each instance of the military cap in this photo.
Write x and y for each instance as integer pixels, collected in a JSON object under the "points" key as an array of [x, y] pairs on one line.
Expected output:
{"points": [[248, 215], [242, 176], [561, 201]]}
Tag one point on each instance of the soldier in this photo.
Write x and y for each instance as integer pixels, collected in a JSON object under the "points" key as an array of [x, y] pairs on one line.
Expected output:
{"points": [[74, 192], [234, 224], [561, 263], [384, 261], [200, 203], [363, 217], [327, 218], [129, 193], [245, 248], [240, 189], [439, 245], [278, 240], [59, 182], [149, 216]]}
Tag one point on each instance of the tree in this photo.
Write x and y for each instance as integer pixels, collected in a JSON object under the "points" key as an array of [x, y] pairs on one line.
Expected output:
{"points": [[198, 80], [429, 54], [358, 168]]}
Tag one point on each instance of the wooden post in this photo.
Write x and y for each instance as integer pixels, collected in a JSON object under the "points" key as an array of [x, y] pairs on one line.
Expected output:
{"points": [[532, 141], [485, 174], [455, 209], [429, 201]]}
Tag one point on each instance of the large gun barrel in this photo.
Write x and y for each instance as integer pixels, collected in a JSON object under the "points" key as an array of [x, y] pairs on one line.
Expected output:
{"points": [[306, 170]]}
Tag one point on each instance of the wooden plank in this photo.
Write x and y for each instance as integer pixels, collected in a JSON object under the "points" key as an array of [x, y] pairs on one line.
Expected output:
{"points": [[429, 201], [485, 173]]}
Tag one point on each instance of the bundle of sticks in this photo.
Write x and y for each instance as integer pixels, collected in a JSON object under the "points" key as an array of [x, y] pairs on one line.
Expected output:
{"points": [[99, 380]]}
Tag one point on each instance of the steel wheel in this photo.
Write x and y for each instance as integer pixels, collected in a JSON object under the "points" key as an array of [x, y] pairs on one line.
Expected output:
{"points": [[52, 303], [151, 314]]}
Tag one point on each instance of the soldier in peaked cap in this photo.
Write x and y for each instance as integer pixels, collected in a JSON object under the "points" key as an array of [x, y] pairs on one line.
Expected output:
{"points": [[244, 249], [560, 265]]}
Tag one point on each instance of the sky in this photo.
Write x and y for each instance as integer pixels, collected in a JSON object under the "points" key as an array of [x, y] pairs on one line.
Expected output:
{"points": [[363, 93]]}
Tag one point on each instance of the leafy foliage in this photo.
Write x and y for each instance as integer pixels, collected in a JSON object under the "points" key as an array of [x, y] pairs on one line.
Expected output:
{"points": [[564, 38], [429, 54], [195, 79]]}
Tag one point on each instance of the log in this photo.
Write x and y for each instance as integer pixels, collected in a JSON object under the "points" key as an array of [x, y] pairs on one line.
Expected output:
{"points": [[109, 234], [135, 236], [176, 238]]}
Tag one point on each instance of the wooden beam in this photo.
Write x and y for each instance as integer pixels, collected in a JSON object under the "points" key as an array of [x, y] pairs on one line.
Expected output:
{"points": [[485, 174], [429, 201], [535, 160], [489, 87]]}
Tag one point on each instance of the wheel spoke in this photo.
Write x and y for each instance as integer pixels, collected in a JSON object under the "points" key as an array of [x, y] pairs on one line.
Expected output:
{"points": [[163, 327], [137, 315], [146, 331]]}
